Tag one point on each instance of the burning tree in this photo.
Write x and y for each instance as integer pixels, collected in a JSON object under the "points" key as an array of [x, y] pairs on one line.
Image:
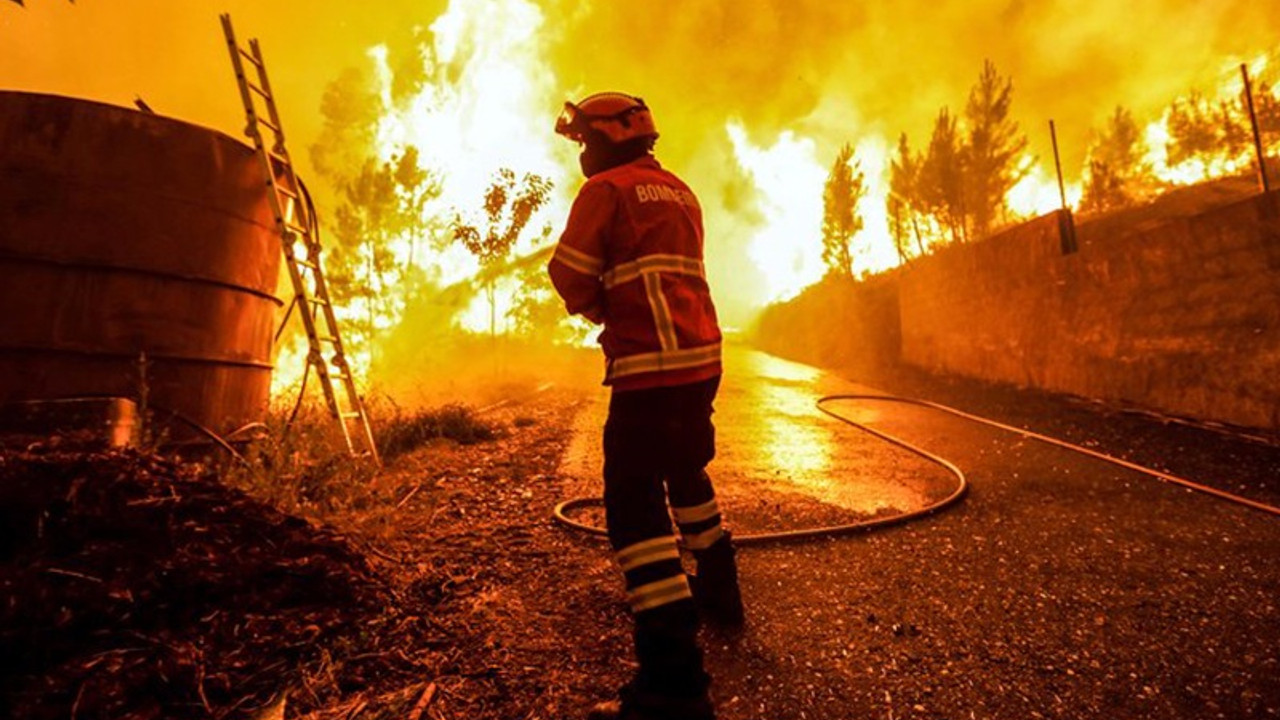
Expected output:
{"points": [[507, 210], [381, 215], [378, 223], [1267, 107], [845, 188], [1200, 129], [1210, 135], [1118, 173], [958, 187]]}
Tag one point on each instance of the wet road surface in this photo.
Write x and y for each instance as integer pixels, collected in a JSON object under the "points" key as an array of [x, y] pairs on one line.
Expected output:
{"points": [[1062, 587], [772, 441]]}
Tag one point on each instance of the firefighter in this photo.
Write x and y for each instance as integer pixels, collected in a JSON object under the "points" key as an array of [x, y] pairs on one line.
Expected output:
{"points": [[630, 259]]}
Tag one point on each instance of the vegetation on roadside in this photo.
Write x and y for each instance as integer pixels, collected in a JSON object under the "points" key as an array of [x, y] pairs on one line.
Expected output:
{"points": [[300, 463], [407, 431]]}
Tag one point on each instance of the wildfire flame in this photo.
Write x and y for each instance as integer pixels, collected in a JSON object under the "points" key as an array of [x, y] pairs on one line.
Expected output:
{"points": [[483, 107], [486, 102], [788, 180], [1227, 93], [753, 126]]}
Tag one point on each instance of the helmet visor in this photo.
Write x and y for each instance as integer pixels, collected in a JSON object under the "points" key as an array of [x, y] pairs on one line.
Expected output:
{"points": [[571, 123]]}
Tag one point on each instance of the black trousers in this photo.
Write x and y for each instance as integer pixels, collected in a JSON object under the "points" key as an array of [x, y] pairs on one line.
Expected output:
{"points": [[657, 443]]}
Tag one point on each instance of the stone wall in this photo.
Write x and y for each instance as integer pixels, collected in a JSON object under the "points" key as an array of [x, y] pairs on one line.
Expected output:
{"points": [[838, 323], [1178, 315]]}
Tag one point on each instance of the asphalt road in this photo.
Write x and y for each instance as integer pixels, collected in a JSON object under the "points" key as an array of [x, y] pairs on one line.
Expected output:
{"points": [[1061, 587]]}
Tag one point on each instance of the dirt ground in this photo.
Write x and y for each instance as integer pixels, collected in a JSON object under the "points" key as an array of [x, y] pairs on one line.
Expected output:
{"points": [[442, 589], [138, 587]]}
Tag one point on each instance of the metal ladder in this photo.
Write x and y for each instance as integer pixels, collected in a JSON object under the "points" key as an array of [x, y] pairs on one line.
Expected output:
{"points": [[297, 225]]}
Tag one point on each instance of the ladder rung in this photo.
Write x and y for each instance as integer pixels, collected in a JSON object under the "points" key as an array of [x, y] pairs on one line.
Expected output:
{"points": [[298, 229], [262, 93], [349, 415], [306, 264], [249, 56], [317, 301], [270, 125], [285, 191]]}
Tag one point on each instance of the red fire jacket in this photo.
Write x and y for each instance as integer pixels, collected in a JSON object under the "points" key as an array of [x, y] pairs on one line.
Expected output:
{"points": [[631, 258]]}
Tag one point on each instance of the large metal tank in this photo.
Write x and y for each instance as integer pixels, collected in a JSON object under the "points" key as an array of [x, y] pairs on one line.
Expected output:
{"points": [[124, 233]]}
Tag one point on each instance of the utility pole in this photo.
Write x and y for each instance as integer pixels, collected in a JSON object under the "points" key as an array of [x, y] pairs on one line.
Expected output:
{"points": [[1263, 180], [1066, 223]]}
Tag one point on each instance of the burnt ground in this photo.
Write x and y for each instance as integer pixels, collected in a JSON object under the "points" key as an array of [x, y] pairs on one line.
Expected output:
{"points": [[441, 589]]}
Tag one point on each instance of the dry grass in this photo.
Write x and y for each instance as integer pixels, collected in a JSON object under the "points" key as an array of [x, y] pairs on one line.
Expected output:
{"points": [[303, 466], [404, 432]]}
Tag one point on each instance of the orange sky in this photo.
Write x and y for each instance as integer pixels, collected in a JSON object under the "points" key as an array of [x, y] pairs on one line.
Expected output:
{"points": [[171, 52], [773, 62]]}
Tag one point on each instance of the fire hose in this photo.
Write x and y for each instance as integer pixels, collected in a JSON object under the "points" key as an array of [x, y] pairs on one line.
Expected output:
{"points": [[562, 511]]}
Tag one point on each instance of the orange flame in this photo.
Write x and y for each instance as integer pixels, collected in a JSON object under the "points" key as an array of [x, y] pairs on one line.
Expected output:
{"points": [[489, 95]]}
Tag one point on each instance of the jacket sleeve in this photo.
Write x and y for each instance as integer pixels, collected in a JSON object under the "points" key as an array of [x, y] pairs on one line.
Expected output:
{"points": [[579, 259]]}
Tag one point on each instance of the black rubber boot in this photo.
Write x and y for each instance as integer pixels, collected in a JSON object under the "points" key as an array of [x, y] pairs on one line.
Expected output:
{"points": [[670, 683], [634, 705], [715, 587]]}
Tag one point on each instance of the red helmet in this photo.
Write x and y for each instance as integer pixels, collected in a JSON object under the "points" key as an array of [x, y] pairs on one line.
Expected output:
{"points": [[616, 116]]}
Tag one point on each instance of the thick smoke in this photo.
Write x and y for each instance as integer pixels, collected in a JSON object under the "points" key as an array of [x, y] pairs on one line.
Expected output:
{"points": [[839, 68], [887, 67], [840, 72]]}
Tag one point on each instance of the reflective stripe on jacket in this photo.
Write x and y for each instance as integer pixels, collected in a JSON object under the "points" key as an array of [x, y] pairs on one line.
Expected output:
{"points": [[631, 258]]}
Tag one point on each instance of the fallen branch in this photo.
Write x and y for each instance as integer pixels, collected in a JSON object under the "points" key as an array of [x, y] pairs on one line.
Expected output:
{"points": [[428, 694], [73, 574], [406, 498]]}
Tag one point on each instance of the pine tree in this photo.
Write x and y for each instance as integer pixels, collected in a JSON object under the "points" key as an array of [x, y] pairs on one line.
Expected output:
{"points": [[941, 188], [1118, 173], [903, 204], [1267, 107], [1193, 131], [841, 221], [993, 151]]}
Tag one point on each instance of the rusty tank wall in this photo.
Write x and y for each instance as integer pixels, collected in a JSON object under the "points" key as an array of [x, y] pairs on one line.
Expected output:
{"points": [[124, 233]]}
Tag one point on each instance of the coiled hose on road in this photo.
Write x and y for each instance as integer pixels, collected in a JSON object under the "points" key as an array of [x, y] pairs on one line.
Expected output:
{"points": [[561, 512]]}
